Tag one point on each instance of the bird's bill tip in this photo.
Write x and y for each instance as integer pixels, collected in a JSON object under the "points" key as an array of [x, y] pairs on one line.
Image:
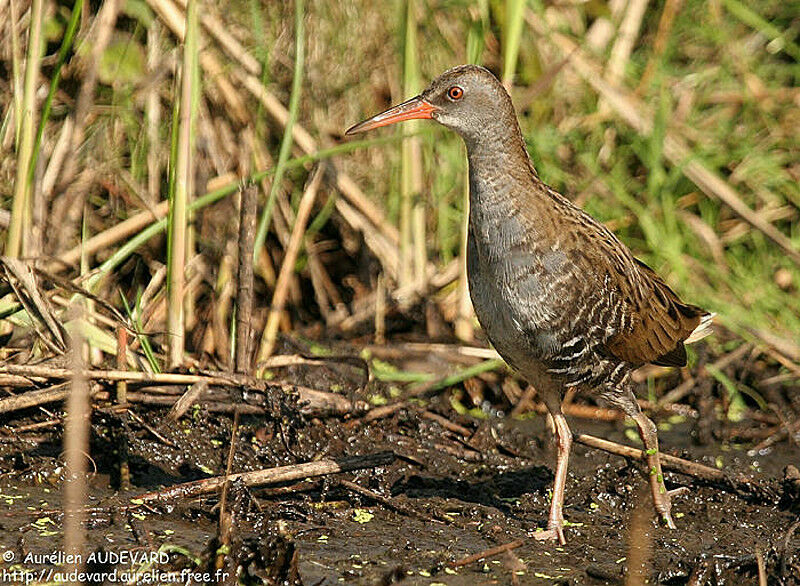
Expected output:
{"points": [[413, 109]]}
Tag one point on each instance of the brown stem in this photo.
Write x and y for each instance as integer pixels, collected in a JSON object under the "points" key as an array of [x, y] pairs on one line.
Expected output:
{"points": [[244, 291]]}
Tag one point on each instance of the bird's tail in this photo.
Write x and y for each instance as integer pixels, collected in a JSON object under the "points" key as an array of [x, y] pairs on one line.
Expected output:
{"points": [[702, 330]]}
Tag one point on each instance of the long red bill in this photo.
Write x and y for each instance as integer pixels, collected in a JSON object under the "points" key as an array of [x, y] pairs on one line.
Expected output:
{"points": [[415, 108]]}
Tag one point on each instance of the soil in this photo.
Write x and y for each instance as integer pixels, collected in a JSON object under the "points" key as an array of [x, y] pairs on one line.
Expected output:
{"points": [[449, 497]]}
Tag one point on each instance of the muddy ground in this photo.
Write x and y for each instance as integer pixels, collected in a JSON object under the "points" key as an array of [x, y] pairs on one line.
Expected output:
{"points": [[458, 485]]}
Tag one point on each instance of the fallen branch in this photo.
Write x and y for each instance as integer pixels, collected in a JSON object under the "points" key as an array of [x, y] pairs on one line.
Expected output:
{"points": [[311, 401], [167, 378], [487, 553], [390, 503], [685, 388], [734, 482], [35, 398], [266, 476]]}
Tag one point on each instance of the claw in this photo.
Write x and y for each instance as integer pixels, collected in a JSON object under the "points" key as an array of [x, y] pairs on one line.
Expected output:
{"points": [[552, 534], [680, 491]]}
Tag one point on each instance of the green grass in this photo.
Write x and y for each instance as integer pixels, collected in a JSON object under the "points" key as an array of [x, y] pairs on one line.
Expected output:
{"points": [[287, 140]]}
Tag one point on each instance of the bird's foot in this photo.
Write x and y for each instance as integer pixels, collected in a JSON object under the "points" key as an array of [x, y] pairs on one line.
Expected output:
{"points": [[663, 507], [554, 533], [666, 517], [662, 500]]}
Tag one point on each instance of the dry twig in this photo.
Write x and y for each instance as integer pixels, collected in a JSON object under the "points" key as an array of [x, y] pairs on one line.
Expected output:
{"points": [[738, 483], [266, 476], [487, 553]]}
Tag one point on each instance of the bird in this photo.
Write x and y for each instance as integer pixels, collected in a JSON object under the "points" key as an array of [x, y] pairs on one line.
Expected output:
{"points": [[563, 301]]}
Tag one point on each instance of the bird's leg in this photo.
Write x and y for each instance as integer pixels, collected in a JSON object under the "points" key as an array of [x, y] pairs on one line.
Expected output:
{"points": [[563, 436], [649, 434], [661, 500]]}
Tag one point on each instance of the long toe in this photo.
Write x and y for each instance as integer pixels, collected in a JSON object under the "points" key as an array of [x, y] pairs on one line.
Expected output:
{"points": [[553, 534], [663, 506]]}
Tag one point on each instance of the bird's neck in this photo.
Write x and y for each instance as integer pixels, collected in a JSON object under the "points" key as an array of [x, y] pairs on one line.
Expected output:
{"points": [[500, 170]]}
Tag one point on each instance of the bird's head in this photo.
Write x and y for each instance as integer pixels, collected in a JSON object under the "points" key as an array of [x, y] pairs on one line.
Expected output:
{"points": [[467, 99]]}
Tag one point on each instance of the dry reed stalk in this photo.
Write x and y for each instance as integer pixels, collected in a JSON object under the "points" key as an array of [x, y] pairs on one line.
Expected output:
{"points": [[281, 221], [192, 395], [37, 229], [184, 170], [244, 279], [671, 8], [228, 42], [153, 115], [602, 30], [626, 37], [709, 237], [104, 27], [287, 140], [311, 401], [366, 216], [111, 236], [17, 85], [234, 103], [623, 46], [20, 212], [733, 230], [384, 249], [287, 268], [491, 552], [410, 163], [76, 450], [122, 399], [57, 157], [268, 476], [634, 113], [33, 398]]}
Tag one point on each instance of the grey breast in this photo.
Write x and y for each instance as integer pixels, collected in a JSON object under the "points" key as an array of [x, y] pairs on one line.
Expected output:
{"points": [[512, 285]]}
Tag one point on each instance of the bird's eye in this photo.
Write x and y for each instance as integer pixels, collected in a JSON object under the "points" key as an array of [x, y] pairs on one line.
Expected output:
{"points": [[455, 93]]}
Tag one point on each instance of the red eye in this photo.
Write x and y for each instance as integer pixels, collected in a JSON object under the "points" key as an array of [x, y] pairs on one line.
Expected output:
{"points": [[455, 93]]}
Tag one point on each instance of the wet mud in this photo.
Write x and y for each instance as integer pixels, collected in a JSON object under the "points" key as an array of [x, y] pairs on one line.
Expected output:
{"points": [[445, 497]]}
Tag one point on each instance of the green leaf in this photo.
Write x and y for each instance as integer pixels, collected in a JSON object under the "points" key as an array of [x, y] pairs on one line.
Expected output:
{"points": [[122, 62], [139, 10]]}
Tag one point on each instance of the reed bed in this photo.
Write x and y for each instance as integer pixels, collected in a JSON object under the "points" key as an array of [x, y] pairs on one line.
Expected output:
{"points": [[681, 140]]}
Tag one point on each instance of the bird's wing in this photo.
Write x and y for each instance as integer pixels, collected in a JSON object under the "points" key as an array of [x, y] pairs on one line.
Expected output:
{"points": [[659, 321], [641, 318]]}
